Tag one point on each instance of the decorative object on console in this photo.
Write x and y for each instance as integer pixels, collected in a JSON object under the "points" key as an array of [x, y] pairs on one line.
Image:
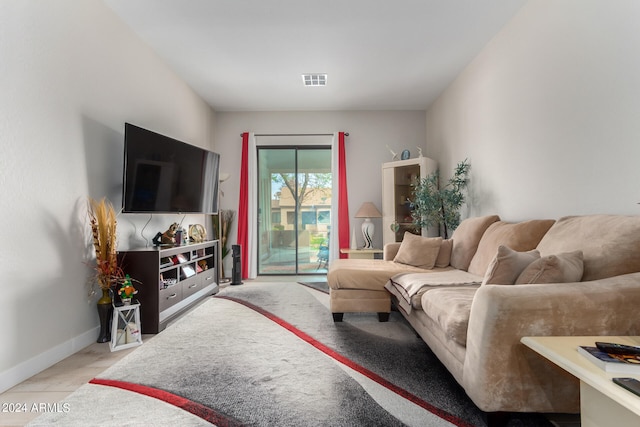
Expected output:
{"points": [[368, 210], [127, 291], [178, 236], [435, 206], [168, 237], [405, 154], [197, 233], [419, 152]]}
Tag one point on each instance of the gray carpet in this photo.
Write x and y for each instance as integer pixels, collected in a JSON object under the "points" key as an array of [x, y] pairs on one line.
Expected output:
{"points": [[319, 286], [250, 369]]}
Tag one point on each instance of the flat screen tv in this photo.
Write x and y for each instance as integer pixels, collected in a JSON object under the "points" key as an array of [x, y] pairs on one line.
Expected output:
{"points": [[164, 175]]}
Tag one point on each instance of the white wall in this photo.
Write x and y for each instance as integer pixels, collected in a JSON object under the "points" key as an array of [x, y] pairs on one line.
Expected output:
{"points": [[71, 74], [548, 113], [369, 133]]}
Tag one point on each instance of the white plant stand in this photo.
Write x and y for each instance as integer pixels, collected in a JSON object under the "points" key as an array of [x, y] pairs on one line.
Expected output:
{"points": [[126, 331]]}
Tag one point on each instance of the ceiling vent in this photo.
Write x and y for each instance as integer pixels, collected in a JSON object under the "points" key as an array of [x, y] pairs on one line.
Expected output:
{"points": [[314, 79]]}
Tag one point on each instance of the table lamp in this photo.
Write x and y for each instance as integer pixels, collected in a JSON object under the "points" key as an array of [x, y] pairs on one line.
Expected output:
{"points": [[367, 211]]}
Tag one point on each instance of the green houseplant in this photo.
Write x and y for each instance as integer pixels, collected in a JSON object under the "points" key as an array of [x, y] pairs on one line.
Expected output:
{"points": [[435, 206]]}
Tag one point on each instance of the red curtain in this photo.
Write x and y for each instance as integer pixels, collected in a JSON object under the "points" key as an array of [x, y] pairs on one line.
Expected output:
{"points": [[343, 199], [243, 206]]}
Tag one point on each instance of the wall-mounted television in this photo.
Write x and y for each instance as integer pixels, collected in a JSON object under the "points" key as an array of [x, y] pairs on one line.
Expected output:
{"points": [[164, 175]]}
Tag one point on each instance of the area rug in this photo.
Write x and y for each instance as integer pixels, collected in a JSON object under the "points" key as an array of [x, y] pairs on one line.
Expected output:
{"points": [[318, 286], [269, 354]]}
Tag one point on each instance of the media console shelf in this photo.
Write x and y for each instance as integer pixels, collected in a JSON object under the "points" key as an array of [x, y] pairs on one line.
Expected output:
{"points": [[171, 279]]}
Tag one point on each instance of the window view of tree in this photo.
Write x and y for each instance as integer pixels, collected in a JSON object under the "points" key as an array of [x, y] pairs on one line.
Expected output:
{"points": [[310, 185]]}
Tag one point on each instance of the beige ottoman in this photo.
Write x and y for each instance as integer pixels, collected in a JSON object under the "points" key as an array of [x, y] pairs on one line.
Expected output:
{"points": [[357, 286]]}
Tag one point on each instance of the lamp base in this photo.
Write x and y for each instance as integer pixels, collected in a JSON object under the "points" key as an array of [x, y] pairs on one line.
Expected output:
{"points": [[368, 229]]}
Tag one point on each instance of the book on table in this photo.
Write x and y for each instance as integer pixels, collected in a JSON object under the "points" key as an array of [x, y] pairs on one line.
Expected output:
{"points": [[620, 363]]}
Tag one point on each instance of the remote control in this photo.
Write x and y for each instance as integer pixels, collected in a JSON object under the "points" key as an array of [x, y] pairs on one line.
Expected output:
{"points": [[612, 348], [631, 384]]}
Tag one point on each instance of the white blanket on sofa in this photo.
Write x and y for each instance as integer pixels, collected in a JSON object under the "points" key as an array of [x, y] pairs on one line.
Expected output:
{"points": [[406, 285]]}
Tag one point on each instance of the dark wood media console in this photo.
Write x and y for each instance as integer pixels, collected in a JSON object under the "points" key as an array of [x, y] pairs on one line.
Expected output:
{"points": [[171, 279]]}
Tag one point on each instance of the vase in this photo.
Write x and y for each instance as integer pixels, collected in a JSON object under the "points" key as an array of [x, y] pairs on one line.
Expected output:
{"points": [[105, 311]]}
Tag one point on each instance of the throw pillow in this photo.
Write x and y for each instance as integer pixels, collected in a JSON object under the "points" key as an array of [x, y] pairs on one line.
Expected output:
{"points": [[519, 236], [507, 265], [466, 238], [418, 251], [444, 256], [562, 268]]}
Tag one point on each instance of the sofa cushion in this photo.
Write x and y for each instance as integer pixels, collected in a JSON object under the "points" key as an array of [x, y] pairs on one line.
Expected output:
{"points": [[450, 308], [520, 236], [610, 243], [418, 251], [466, 238], [369, 274], [409, 287], [561, 268], [444, 256], [507, 265]]}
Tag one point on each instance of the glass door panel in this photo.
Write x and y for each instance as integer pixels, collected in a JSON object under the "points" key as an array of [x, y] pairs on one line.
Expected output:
{"points": [[314, 209], [276, 211], [294, 206]]}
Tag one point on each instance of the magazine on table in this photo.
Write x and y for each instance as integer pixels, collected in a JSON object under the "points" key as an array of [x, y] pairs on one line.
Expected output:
{"points": [[620, 363]]}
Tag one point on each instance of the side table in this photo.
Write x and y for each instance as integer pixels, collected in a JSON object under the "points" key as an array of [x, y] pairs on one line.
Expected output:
{"points": [[602, 403], [362, 253], [126, 331]]}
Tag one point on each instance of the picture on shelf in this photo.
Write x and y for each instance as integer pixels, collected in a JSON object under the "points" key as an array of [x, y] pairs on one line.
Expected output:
{"points": [[179, 259], [188, 271]]}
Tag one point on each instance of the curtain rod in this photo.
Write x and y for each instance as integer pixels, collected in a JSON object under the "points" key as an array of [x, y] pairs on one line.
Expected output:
{"points": [[296, 134]]}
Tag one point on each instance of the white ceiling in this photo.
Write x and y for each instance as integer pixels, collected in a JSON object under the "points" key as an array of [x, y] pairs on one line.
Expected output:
{"points": [[248, 55]]}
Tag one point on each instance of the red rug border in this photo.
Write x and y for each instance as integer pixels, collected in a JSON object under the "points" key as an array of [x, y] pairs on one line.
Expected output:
{"points": [[351, 364], [185, 404]]}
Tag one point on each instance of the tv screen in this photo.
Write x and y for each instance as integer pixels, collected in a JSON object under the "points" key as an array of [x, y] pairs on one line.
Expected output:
{"points": [[164, 175]]}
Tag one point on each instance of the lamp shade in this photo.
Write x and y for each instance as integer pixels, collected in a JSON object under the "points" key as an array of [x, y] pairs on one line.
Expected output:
{"points": [[368, 210]]}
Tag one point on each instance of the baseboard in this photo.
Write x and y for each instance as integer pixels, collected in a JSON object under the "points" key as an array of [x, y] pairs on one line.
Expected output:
{"points": [[39, 363]]}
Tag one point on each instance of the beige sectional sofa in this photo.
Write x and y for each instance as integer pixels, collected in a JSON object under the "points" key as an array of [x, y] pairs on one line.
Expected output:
{"points": [[579, 275]]}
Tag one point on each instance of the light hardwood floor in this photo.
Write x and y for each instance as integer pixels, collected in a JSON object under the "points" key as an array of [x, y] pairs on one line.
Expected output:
{"points": [[57, 382]]}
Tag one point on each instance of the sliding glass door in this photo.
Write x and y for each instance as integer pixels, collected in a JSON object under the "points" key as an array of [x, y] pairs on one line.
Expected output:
{"points": [[294, 208]]}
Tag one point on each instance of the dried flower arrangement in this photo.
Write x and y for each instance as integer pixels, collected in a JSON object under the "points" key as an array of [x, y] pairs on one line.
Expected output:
{"points": [[222, 226], [103, 222]]}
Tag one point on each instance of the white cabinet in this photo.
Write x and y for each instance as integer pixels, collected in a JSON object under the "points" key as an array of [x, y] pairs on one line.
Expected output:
{"points": [[398, 179]]}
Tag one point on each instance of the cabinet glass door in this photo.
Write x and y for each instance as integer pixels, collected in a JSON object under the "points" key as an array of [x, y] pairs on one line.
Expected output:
{"points": [[405, 179]]}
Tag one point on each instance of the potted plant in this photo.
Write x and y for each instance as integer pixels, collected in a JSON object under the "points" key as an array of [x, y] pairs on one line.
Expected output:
{"points": [[108, 274], [440, 207]]}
